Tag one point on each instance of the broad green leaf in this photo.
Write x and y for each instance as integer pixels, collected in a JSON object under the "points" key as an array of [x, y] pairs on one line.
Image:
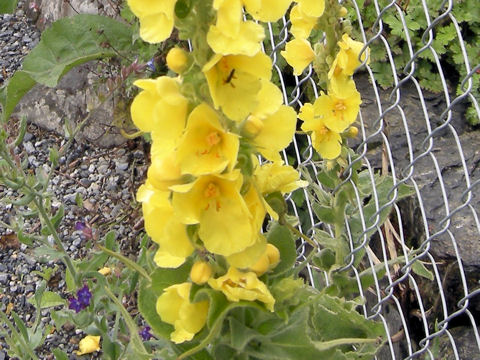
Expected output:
{"points": [[282, 238], [324, 213], [49, 299], [8, 6], [240, 334], [69, 42], [335, 323], [287, 341], [48, 252]]}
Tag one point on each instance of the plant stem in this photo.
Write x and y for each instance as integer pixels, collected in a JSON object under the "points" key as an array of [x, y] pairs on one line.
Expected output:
{"points": [[301, 235], [66, 258]]}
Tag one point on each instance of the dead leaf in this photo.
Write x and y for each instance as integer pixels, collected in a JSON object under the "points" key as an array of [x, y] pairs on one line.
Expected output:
{"points": [[9, 308], [9, 241]]}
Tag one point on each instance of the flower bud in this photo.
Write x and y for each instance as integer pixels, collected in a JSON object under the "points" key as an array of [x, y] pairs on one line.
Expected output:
{"points": [[273, 255], [253, 125], [343, 11], [177, 60], [352, 132], [261, 266], [200, 272]]}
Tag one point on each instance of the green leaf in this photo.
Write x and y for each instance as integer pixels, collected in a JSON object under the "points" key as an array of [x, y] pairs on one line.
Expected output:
{"points": [[240, 334], [21, 326], [68, 43], [335, 323], [57, 218], [48, 252], [286, 341], [419, 268], [25, 239], [60, 355], [69, 280], [94, 262], [49, 299], [282, 239], [324, 213], [8, 6]]}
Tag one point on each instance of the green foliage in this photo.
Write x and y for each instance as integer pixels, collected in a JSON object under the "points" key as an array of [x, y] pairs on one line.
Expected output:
{"points": [[8, 6], [68, 43], [445, 42]]}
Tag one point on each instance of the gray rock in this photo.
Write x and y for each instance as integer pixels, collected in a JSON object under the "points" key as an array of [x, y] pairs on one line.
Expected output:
{"points": [[3, 278], [465, 343], [71, 99], [29, 148]]}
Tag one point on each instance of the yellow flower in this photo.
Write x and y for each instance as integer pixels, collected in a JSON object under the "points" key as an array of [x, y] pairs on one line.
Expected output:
{"points": [[234, 82], [105, 271], [276, 176], [214, 202], [237, 285], [347, 60], [271, 126], [325, 141], [302, 23], [246, 258], [164, 171], [246, 42], [175, 308], [339, 109], [88, 345], [161, 109], [164, 259], [229, 16], [156, 18], [311, 7], [163, 226], [299, 54], [206, 147], [267, 10]]}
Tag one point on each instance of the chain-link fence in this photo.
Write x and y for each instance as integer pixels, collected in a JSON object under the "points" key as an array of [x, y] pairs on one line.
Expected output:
{"points": [[423, 139]]}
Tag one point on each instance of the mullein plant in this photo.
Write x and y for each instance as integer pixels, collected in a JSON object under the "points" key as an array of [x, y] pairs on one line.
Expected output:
{"points": [[226, 285]]}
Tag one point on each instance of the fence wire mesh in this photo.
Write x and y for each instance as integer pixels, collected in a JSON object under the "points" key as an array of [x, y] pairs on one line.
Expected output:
{"points": [[421, 139]]}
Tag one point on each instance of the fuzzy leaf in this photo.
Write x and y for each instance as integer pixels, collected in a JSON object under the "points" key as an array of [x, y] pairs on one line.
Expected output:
{"points": [[282, 239], [69, 42]]}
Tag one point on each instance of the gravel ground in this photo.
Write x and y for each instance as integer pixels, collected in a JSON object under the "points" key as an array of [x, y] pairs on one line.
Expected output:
{"points": [[106, 179]]}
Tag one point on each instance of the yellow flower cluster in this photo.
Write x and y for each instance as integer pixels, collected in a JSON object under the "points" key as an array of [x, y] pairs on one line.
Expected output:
{"points": [[332, 113], [304, 16], [204, 196]]}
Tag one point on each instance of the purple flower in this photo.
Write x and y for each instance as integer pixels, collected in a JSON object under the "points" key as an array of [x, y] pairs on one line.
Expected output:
{"points": [[84, 295], [81, 301], [151, 64], [145, 333], [75, 305], [80, 225]]}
